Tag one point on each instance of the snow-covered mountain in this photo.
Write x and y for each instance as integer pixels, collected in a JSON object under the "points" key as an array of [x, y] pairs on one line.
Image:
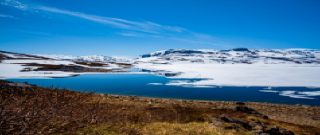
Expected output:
{"points": [[19, 65], [11, 55], [87, 58], [235, 67], [233, 56], [102, 58]]}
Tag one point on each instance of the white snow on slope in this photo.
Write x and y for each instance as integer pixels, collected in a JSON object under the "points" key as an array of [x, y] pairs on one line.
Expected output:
{"points": [[236, 67], [13, 71], [58, 62], [11, 55], [242, 74], [11, 68], [15, 55], [51, 62]]}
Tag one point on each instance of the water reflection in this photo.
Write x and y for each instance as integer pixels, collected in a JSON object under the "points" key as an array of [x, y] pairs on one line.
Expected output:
{"points": [[162, 73]]}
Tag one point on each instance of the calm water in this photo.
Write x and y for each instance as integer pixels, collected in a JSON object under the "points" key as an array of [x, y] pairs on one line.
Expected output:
{"points": [[138, 84]]}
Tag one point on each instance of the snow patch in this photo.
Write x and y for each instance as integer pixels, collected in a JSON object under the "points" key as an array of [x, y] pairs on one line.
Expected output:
{"points": [[310, 93], [293, 94], [269, 91], [9, 71], [302, 75]]}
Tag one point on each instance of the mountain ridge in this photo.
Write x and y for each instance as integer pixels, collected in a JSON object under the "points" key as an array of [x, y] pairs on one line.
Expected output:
{"points": [[230, 56], [101, 58], [234, 56]]}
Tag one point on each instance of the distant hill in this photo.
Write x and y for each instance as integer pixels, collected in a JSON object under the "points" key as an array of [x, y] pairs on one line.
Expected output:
{"points": [[11, 55], [233, 56], [101, 58]]}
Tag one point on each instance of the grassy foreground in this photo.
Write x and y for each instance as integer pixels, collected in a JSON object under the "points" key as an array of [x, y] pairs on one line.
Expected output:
{"points": [[28, 109], [158, 128]]}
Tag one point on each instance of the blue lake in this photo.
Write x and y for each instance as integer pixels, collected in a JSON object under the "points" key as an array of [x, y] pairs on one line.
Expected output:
{"points": [[138, 84]]}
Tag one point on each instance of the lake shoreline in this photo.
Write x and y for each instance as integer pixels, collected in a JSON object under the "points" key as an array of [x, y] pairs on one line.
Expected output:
{"points": [[297, 114], [154, 86], [27, 108]]}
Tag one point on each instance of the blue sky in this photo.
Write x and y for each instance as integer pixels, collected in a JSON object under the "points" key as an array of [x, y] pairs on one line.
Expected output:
{"points": [[135, 27]]}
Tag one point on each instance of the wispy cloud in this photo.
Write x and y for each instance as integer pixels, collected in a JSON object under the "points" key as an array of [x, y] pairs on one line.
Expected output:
{"points": [[134, 28], [148, 27], [8, 16], [129, 34], [139, 34], [15, 4]]}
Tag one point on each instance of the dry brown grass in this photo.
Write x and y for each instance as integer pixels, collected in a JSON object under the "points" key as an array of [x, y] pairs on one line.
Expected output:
{"points": [[297, 129], [37, 110], [159, 128]]}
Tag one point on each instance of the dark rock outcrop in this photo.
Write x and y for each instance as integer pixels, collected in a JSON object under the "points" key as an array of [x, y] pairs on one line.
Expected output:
{"points": [[240, 103], [250, 111], [254, 126], [228, 119]]}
